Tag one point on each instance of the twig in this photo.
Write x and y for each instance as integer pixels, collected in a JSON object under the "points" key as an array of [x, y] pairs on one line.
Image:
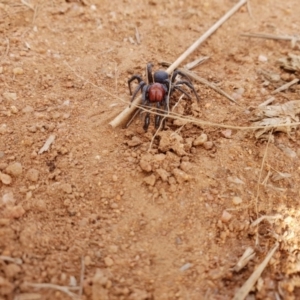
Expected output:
{"points": [[285, 86], [268, 218], [27, 4], [137, 35], [249, 10], [242, 293], [17, 261], [125, 114], [196, 62], [7, 48], [243, 261], [207, 34], [267, 102], [81, 276], [64, 289], [271, 36]]}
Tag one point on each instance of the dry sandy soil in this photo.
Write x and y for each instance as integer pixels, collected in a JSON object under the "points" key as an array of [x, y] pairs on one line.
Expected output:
{"points": [[123, 214]]}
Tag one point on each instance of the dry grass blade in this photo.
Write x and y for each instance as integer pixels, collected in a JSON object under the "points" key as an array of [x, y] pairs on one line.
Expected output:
{"points": [[270, 36], [128, 111], [285, 86], [243, 261], [242, 293], [268, 218], [64, 289], [267, 102], [196, 62]]}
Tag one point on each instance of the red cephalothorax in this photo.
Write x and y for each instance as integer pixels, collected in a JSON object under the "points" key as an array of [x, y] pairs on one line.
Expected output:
{"points": [[156, 93]]}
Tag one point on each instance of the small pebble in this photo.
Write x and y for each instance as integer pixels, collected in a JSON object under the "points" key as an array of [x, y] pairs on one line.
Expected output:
{"points": [[237, 200], [18, 71], [226, 216], [108, 261], [200, 140], [67, 188], [226, 133], [9, 96], [185, 267], [150, 180], [8, 199], [33, 175], [262, 58], [14, 109], [208, 145], [6, 179], [14, 169], [115, 178]]}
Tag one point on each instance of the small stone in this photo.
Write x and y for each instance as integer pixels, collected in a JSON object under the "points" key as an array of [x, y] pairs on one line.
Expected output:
{"points": [[237, 200], [8, 199], [41, 205], [226, 133], [16, 212], [226, 216], [200, 140], [180, 175], [145, 163], [67, 188], [11, 270], [87, 260], [6, 179], [108, 261], [163, 174], [186, 166], [33, 175], [208, 145], [262, 58], [9, 96], [14, 169], [3, 128], [115, 178], [135, 141], [18, 71], [27, 109], [150, 180], [14, 109]]}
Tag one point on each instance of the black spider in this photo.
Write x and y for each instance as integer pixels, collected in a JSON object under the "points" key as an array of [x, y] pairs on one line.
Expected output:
{"points": [[158, 90]]}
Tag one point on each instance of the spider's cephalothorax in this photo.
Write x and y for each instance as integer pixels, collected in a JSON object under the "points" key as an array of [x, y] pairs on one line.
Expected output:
{"points": [[158, 90]]}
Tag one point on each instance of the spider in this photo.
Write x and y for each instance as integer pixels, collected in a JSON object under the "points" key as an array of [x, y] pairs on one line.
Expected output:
{"points": [[158, 90]]}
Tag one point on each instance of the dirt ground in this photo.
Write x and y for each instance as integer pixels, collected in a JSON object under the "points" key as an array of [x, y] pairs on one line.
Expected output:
{"points": [[122, 214]]}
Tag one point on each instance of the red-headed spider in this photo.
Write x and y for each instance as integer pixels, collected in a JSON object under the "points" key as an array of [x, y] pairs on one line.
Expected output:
{"points": [[158, 90]]}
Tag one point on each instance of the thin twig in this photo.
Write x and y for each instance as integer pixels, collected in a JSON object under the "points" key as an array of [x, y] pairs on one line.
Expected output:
{"points": [[126, 113], [242, 293], [285, 86], [17, 261], [7, 48], [64, 289], [267, 102], [270, 36], [249, 9], [268, 218], [27, 4], [137, 35]]}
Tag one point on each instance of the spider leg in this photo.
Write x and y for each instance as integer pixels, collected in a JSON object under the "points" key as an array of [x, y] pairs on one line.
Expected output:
{"points": [[157, 117], [141, 85], [178, 72], [147, 117], [190, 85], [149, 73], [182, 91], [137, 77]]}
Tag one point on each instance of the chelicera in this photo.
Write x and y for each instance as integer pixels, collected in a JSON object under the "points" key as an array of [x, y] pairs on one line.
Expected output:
{"points": [[158, 91]]}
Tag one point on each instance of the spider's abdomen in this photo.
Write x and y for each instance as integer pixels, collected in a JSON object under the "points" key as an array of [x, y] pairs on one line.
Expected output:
{"points": [[156, 92]]}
